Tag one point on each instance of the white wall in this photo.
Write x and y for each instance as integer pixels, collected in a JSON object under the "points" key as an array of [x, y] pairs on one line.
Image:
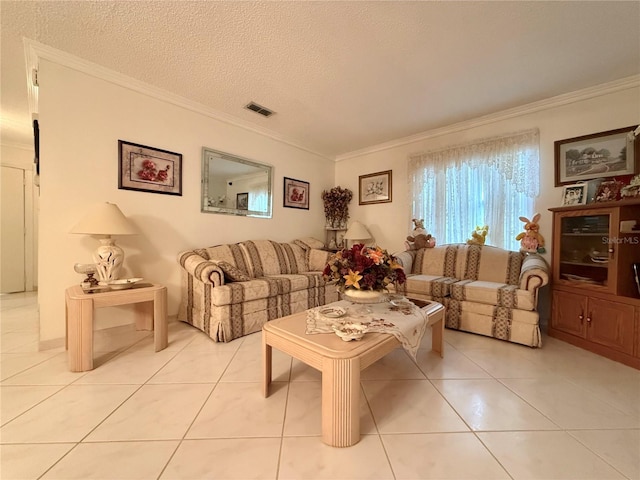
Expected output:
{"points": [[81, 120], [390, 223]]}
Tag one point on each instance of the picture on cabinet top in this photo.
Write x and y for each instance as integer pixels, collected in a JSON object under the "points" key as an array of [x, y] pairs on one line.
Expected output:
{"points": [[574, 194]]}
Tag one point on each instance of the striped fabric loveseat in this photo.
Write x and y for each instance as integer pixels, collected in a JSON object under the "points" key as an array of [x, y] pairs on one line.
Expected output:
{"points": [[231, 290], [486, 290]]}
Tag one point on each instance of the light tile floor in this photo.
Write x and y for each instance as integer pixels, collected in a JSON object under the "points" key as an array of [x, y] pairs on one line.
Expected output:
{"points": [[488, 410]]}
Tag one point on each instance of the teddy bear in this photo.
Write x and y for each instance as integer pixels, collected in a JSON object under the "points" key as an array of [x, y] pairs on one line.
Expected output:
{"points": [[478, 236], [420, 238], [531, 240]]}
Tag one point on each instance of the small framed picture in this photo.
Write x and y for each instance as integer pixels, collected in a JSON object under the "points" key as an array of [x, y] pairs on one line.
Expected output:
{"points": [[148, 169], [609, 191], [575, 194], [296, 193], [242, 201], [375, 188]]}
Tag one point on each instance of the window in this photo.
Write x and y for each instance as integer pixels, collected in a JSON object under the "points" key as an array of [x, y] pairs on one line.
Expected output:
{"points": [[488, 182]]}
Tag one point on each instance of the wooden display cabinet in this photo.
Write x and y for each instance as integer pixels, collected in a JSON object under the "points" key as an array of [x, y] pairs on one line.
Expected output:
{"points": [[595, 296]]}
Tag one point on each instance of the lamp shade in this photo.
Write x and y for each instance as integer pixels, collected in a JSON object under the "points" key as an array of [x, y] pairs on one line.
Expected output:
{"points": [[357, 231], [104, 219]]}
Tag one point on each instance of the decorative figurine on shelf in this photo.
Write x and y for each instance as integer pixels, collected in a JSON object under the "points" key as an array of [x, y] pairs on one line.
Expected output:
{"points": [[419, 238], [88, 269], [531, 240], [479, 235], [633, 189]]}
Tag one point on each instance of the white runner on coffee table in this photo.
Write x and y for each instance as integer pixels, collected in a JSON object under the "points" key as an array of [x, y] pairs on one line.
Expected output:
{"points": [[406, 322]]}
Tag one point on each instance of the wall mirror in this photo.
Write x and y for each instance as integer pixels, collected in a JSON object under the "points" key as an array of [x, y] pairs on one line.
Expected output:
{"points": [[233, 185]]}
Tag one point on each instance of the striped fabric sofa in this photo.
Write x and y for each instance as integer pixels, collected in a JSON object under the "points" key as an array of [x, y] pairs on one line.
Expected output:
{"points": [[485, 289], [231, 290]]}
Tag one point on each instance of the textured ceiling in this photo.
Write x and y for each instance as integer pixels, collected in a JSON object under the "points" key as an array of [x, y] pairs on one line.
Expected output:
{"points": [[341, 76]]}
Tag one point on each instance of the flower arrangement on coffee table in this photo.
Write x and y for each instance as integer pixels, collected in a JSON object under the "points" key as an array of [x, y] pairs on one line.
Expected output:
{"points": [[361, 268]]}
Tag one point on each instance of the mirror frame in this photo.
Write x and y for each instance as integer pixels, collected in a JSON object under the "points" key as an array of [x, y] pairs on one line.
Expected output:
{"points": [[207, 153]]}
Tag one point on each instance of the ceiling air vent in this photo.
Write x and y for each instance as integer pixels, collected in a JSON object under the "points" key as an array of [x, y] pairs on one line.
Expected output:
{"points": [[265, 112]]}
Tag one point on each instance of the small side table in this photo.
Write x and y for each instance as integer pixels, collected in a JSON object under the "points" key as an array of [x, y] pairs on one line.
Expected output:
{"points": [[150, 314]]}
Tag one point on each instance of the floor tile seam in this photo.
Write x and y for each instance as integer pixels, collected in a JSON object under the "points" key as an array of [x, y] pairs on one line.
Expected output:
{"points": [[486, 447], [173, 454], [363, 392], [599, 397], [451, 406], [110, 413], [177, 352], [62, 387], [197, 414], [569, 433], [284, 421], [473, 362], [633, 416], [386, 454], [59, 459], [528, 402], [27, 368]]}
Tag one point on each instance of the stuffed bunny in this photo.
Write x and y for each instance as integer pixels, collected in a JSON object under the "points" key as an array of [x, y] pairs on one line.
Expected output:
{"points": [[479, 235], [420, 238], [530, 239]]}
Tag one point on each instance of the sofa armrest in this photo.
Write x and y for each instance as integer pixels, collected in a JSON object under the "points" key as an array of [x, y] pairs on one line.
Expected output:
{"points": [[534, 272], [203, 270], [405, 259]]}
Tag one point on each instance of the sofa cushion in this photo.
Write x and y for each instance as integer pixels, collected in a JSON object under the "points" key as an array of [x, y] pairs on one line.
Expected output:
{"points": [[266, 257], [492, 264], [439, 261], [233, 274], [493, 293], [264, 287], [431, 285], [233, 254], [519, 326], [318, 259]]}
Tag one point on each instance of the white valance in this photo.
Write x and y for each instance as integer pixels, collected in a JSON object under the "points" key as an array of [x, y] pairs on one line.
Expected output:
{"points": [[515, 156]]}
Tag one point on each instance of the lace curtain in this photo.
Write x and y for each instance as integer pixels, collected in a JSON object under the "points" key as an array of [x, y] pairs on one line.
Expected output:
{"points": [[488, 182]]}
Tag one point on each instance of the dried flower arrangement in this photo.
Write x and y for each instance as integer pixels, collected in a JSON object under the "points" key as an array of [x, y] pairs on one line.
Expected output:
{"points": [[336, 206], [363, 268]]}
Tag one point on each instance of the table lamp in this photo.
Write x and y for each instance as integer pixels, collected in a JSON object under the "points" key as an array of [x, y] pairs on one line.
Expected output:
{"points": [[358, 233], [102, 221]]}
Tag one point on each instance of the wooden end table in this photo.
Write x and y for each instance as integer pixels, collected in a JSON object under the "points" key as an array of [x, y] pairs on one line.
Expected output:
{"points": [[340, 363], [150, 313]]}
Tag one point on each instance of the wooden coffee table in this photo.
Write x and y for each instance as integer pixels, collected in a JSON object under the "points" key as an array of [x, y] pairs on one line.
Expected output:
{"points": [[340, 363]]}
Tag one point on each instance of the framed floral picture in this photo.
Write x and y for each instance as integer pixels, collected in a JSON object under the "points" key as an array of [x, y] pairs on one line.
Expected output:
{"points": [[375, 188], [296, 193], [606, 154], [148, 169]]}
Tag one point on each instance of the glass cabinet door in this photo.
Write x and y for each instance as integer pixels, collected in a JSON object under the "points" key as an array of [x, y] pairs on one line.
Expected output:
{"points": [[584, 249]]}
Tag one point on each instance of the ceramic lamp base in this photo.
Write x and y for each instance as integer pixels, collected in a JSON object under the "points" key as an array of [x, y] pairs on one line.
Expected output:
{"points": [[108, 259]]}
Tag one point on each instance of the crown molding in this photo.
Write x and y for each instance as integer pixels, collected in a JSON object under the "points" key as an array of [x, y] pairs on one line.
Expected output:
{"points": [[35, 50], [552, 102]]}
